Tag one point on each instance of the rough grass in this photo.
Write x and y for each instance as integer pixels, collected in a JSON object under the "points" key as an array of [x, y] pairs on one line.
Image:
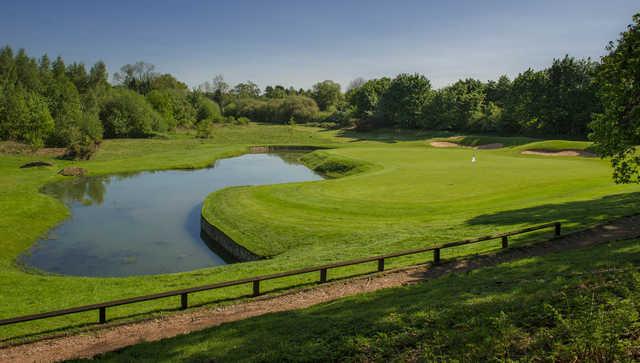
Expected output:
{"points": [[574, 306], [408, 195]]}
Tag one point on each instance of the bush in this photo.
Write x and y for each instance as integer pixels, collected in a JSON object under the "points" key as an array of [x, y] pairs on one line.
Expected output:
{"points": [[205, 130], [25, 117], [278, 110], [128, 114], [206, 109]]}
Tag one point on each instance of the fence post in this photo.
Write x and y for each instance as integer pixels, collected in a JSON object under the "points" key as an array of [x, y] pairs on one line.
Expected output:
{"points": [[323, 275], [256, 287], [558, 228], [381, 264], [184, 301], [436, 256], [103, 315], [505, 241]]}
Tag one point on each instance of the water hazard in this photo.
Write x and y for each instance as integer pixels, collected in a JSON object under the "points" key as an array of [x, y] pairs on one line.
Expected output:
{"points": [[148, 222]]}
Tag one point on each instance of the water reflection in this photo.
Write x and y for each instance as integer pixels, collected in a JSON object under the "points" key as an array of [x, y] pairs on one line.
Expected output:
{"points": [[148, 222]]}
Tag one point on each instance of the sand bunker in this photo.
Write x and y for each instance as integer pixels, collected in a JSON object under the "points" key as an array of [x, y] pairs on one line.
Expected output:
{"points": [[443, 144], [496, 145], [566, 152]]}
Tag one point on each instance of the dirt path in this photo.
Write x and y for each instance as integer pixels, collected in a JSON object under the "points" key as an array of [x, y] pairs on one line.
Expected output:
{"points": [[102, 340]]}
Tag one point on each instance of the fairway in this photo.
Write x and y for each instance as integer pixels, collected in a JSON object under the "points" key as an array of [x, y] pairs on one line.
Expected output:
{"points": [[388, 193]]}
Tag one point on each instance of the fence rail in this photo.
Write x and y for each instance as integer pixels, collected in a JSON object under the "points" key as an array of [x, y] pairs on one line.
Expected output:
{"points": [[255, 281]]}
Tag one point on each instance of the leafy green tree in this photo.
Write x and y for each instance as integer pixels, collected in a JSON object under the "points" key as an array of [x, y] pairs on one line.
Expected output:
{"points": [[77, 73], [275, 92], [167, 82], [616, 130], [326, 94], [205, 109], [300, 108], [127, 114], [364, 99], [246, 90], [24, 117], [457, 107], [218, 90], [98, 76], [66, 108], [137, 77], [27, 72], [401, 104], [8, 73]]}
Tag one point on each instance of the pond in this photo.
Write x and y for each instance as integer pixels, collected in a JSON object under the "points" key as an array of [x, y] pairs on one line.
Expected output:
{"points": [[148, 222]]}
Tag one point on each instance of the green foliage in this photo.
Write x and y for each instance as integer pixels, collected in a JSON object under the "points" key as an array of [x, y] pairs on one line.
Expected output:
{"points": [[127, 114], [176, 108], [616, 130], [365, 98], [326, 94], [205, 109], [246, 90], [277, 110], [137, 77], [205, 130], [401, 104], [25, 117]]}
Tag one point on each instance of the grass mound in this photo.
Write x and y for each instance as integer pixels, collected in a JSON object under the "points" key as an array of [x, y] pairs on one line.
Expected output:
{"points": [[334, 166]]}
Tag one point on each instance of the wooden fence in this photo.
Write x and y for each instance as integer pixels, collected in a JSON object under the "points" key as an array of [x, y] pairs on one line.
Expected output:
{"points": [[255, 281]]}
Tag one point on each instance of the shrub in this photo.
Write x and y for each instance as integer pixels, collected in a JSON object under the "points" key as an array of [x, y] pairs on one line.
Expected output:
{"points": [[204, 130], [25, 117], [206, 109], [128, 114]]}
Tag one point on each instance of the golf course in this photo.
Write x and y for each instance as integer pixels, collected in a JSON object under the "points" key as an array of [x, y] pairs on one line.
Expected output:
{"points": [[247, 181], [385, 191]]}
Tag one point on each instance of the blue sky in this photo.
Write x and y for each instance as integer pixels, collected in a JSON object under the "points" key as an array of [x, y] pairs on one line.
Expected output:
{"points": [[300, 42]]}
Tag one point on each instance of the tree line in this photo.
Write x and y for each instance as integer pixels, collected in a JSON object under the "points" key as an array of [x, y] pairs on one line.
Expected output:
{"points": [[45, 102]]}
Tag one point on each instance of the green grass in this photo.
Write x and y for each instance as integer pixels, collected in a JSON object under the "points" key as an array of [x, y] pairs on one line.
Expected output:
{"points": [[395, 193], [410, 196], [559, 307]]}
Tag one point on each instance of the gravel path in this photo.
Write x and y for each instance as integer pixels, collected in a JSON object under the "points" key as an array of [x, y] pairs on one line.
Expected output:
{"points": [[100, 340]]}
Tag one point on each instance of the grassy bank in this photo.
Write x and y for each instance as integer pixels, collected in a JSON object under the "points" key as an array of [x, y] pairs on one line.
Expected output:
{"points": [[399, 193], [573, 306]]}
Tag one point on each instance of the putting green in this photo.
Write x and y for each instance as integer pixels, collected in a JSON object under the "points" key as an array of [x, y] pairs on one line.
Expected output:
{"points": [[411, 195]]}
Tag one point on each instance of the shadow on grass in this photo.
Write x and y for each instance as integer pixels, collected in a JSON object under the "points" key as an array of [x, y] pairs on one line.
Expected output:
{"points": [[477, 316], [391, 136], [577, 213]]}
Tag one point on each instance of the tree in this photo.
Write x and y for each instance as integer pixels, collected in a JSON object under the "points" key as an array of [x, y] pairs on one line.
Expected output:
{"points": [[137, 77], [365, 98], [98, 76], [25, 117], [357, 82], [206, 109], [127, 114], [275, 92], [77, 73], [246, 90], [167, 81], [616, 130], [326, 94], [401, 104], [217, 89]]}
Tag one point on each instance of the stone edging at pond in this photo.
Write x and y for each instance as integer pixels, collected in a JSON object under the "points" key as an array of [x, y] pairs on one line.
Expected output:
{"points": [[226, 243]]}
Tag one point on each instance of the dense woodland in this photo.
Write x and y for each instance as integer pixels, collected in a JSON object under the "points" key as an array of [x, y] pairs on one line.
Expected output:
{"points": [[44, 102]]}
